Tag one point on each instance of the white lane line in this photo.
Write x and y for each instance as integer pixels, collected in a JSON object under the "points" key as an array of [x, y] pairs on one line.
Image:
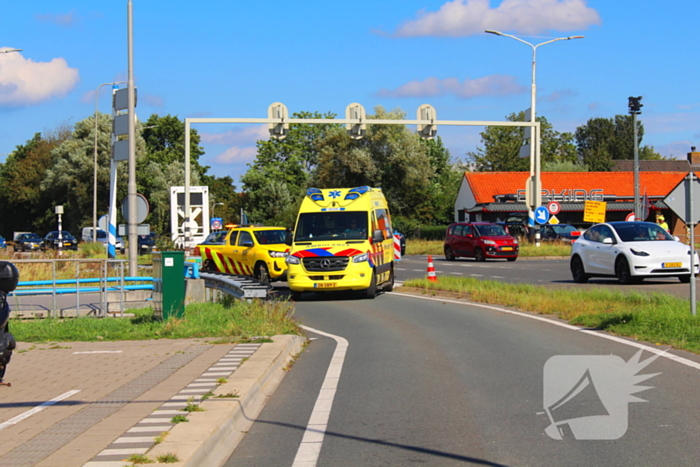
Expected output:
{"points": [[96, 351], [590, 332], [311, 443], [37, 409]]}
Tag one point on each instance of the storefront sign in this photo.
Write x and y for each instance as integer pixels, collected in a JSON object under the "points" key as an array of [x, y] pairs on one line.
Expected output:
{"points": [[571, 195]]}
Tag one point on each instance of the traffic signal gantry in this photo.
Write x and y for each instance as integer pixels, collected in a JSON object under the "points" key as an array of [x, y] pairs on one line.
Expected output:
{"points": [[356, 123]]}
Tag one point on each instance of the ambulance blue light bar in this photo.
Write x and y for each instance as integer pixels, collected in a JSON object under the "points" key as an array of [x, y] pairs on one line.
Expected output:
{"points": [[355, 193], [315, 194]]}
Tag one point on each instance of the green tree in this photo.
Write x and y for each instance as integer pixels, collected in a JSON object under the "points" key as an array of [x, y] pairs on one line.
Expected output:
{"points": [[388, 156], [70, 179], [23, 205], [564, 166], [602, 140], [278, 178], [501, 150]]}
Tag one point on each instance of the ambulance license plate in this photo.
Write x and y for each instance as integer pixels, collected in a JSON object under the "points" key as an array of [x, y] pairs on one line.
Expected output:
{"points": [[326, 285], [671, 265]]}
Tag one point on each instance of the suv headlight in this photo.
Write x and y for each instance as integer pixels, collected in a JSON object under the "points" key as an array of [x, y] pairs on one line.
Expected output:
{"points": [[292, 260], [360, 258], [277, 254], [489, 242], [638, 252]]}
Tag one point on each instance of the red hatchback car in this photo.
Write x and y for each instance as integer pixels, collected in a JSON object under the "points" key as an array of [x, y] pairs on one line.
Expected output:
{"points": [[479, 240]]}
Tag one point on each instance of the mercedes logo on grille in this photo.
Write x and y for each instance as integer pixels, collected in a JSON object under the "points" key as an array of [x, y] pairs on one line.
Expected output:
{"points": [[325, 263]]}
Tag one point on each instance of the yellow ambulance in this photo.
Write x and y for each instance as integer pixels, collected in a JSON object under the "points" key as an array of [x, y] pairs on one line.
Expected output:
{"points": [[343, 240]]}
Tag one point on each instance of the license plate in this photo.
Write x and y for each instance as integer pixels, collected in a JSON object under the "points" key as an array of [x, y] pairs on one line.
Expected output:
{"points": [[326, 285], [67, 244], [507, 248], [671, 265]]}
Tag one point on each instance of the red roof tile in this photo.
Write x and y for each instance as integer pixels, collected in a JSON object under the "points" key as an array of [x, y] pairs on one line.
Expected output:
{"points": [[486, 185]]}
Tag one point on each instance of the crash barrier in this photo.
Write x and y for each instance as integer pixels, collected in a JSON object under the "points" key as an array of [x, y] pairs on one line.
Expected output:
{"points": [[244, 287]]}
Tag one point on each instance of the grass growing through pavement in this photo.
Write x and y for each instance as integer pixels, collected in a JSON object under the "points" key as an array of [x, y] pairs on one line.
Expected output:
{"points": [[232, 321], [656, 318], [435, 247]]}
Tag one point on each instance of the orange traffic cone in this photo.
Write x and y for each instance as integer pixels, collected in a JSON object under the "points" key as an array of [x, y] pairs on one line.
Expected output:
{"points": [[431, 270]]}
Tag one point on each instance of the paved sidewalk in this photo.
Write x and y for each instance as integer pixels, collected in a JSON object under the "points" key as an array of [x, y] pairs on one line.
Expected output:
{"points": [[97, 403]]}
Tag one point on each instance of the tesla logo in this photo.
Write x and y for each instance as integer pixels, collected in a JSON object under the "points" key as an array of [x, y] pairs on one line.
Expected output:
{"points": [[586, 396]]}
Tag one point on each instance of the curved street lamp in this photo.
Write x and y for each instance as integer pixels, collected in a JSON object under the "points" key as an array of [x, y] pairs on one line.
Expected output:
{"points": [[534, 139], [94, 186]]}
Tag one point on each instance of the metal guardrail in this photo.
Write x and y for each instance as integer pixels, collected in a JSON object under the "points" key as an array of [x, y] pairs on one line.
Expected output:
{"points": [[239, 286]]}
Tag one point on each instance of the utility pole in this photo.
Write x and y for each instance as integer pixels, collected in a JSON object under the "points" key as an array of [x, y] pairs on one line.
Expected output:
{"points": [[635, 106]]}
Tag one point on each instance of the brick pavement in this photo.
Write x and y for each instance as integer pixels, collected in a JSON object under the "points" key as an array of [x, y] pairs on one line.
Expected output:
{"points": [[119, 384]]}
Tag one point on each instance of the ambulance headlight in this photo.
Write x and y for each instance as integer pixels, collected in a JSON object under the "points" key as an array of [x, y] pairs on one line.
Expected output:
{"points": [[293, 260], [360, 258], [277, 254]]}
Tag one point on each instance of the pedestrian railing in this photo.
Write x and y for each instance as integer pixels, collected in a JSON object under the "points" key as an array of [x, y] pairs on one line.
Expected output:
{"points": [[46, 294]]}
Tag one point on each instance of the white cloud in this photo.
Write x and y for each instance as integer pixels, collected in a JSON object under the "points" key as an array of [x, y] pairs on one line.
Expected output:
{"points": [[247, 135], [460, 18], [25, 82], [670, 122], [236, 155], [675, 150], [557, 95], [492, 85], [67, 20]]}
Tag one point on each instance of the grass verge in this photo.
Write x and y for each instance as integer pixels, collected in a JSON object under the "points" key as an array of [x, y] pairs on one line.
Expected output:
{"points": [[657, 318], [233, 321]]}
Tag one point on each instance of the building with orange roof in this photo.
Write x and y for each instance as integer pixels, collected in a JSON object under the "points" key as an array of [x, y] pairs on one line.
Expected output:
{"points": [[495, 196]]}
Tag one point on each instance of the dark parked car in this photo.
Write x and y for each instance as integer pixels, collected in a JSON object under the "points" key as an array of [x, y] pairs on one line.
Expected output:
{"points": [[214, 238], [564, 232], [27, 242], [147, 243], [66, 241], [479, 240]]}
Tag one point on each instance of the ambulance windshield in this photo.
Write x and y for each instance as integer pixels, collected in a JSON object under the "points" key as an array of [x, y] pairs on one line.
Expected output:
{"points": [[335, 225]]}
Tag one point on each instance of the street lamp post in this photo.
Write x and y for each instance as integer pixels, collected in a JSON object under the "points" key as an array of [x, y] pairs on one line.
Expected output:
{"points": [[536, 192], [94, 185]]}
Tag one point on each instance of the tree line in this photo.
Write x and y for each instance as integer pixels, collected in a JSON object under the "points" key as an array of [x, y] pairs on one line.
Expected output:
{"points": [[419, 177]]}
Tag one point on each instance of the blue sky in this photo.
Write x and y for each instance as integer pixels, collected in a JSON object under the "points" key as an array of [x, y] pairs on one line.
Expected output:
{"points": [[233, 59]]}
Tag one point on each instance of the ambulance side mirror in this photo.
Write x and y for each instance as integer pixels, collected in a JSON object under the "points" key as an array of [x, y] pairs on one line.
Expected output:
{"points": [[288, 237], [377, 236]]}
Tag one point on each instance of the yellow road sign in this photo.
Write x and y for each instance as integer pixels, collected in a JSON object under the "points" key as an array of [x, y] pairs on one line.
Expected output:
{"points": [[594, 211]]}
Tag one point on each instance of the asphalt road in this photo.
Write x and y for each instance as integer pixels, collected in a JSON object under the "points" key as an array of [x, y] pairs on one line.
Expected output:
{"points": [[444, 382], [546, 272]]}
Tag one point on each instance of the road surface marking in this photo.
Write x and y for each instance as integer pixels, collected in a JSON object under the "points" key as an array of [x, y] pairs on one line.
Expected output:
{"points": [[590, 332], [37, 409], [311, 443]]}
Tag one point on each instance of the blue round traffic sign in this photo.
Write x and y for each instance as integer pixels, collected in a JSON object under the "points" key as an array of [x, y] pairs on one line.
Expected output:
{"points": [[541, 215]]}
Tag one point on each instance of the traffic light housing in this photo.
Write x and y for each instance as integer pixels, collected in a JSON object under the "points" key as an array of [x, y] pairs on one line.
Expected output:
{"points": [[427, 112], [635, 105], [279, 130]]}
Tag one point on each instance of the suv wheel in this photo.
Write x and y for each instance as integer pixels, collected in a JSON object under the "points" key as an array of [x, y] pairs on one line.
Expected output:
{"points": [[479, 255], [449, 254]]}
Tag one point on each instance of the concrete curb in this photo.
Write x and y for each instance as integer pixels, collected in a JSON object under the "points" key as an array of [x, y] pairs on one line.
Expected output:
{"points": [[209, 437]]}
